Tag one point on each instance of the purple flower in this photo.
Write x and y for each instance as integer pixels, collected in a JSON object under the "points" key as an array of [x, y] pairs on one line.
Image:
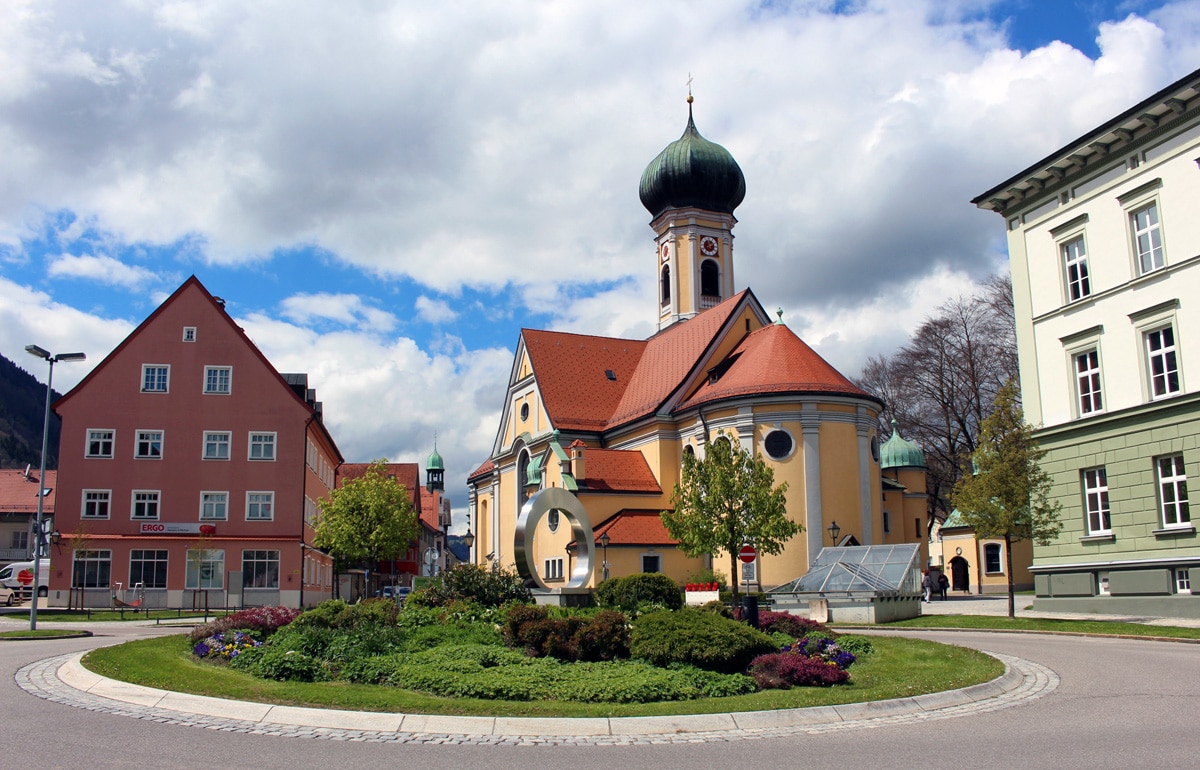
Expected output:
{"points": [[201, 650]]}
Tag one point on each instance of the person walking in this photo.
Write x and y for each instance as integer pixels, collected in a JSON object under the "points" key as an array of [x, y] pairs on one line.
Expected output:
{"points": [[943, 583], [926, 586]]}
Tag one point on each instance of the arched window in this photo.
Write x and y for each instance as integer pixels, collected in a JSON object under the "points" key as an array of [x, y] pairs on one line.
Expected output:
{"points": [[522, 476], [666, 284], [710, 279]]}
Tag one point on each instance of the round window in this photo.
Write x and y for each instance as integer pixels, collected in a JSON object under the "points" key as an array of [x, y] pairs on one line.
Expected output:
{"points": [[778, 444], [524, 412]]}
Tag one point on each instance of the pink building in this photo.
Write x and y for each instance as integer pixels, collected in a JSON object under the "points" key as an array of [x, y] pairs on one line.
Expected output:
{"points": [[190, 471]]}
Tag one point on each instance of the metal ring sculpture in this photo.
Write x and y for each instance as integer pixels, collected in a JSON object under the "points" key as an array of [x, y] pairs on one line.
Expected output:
{"points": [[554, 499]]}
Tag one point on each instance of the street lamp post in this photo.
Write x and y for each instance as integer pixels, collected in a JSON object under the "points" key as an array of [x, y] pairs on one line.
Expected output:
{"points": [[38, 534], [834, 531], [604, 545]]}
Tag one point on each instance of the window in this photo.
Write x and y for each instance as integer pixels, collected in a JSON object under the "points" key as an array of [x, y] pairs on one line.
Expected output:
{"points": [[145, 504], [155, 378], [217, 379], [260, 506], [260, 569], [216, 445], [310, 511], [148, 568], [149, 444], [262, 446], [214, 506], [710, 279], [552, 519], [651, 563], [778, 444], [1183, 581], [1079, 283], [20, 540], [665, 284], [1147, 238], [189, 334], [205, 569], [1095, 495], [96, 502], [1172, 488], [992, 558], [91, 569], [1162, 362], [887, 522], [553, 569], [100, 443], [1087, 382]]}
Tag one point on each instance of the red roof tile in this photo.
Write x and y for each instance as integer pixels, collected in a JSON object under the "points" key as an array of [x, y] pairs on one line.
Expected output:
{"points": [[19, 495], [482, 470], [618, 470], [572, 377], [429, 510], [408, 474], [632, 527], [774, 360]]}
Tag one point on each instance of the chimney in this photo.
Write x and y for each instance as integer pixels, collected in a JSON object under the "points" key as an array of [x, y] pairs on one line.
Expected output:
{"points": [[578, 463]]}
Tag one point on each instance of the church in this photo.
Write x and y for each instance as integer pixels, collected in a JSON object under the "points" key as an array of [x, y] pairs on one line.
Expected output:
{"points": [[610, 419]]}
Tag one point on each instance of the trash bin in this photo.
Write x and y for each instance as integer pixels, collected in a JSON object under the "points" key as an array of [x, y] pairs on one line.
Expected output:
{"points": [[750, 609]]}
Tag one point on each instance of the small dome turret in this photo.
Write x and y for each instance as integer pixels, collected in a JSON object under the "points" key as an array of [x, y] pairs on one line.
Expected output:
{"points": [[435, 471], [896, 452], [692, 172]]}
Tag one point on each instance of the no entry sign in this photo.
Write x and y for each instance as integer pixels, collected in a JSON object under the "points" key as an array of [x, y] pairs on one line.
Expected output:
{"points": [[747, 554]]}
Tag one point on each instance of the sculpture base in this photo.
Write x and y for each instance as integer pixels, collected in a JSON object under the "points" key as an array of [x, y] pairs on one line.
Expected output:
{"points": [[563, 597]]}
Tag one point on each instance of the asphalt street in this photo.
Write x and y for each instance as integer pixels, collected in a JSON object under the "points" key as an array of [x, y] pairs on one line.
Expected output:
{"points": [[1120, 703]]}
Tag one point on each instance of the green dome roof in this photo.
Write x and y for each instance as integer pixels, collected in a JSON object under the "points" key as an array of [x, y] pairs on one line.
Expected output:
{"points": [[692, 171], [435, 462], [898, 453]]}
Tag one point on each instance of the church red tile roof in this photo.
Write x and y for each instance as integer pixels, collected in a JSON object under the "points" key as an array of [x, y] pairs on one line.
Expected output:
{"points": [[428, 510], [482, 470], [19, 495], [634, 527], [408, 474], [618, 470], [774, 360]]}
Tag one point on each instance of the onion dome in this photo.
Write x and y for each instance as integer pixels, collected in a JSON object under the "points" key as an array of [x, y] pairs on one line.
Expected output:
{"points": [[896, 452], [692, 172], [435, 462]]}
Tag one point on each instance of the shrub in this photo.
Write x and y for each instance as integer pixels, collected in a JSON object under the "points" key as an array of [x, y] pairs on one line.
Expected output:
{"points": [[472, 583], [336, 613], [784, 670], [858, 646], [281, 664], [701, 639], [717, 608], [518, 615], [711, 684], [605, 636], [264, 620], [573, 637], [792, 625], [628, 593]]}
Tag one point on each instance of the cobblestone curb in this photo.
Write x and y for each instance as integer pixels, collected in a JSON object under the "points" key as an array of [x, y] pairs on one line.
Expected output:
{"points": [[62, 679]]}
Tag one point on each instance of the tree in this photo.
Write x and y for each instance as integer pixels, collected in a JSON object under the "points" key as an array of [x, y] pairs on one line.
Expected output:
{"points": [[728, 500], [1008, 495], [367, 519]]}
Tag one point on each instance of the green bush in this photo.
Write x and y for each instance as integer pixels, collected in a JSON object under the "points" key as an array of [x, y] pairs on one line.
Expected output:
{"points": [[858, 646], [472, 583], [605, 636], [717, 608], [597, 636], [711, 684], [336, 613], [629, 593], [281, 664], [696, 638], [794, 626]]}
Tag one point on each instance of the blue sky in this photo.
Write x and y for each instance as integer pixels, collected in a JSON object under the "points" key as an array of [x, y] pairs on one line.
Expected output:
{"points": [[385, 194]]}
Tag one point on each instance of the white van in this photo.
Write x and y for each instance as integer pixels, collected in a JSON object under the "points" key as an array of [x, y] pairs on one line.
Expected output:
{"points": [[19, 577]]}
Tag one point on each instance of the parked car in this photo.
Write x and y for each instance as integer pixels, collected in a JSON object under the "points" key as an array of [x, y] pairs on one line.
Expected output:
{"points": [[399, 593], [19, 577], [8, 597]]}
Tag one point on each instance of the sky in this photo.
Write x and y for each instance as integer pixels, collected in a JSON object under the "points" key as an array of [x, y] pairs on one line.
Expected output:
{"points": [[386, 193]]}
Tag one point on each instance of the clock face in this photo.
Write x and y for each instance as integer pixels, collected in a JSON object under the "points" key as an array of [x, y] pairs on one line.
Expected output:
{"points": [[666, 252], [708, 246]]}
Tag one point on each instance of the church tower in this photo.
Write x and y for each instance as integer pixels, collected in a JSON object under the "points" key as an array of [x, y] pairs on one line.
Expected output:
{"points": [[691, 190]]}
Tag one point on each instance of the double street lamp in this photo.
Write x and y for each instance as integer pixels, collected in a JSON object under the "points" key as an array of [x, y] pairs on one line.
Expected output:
{"points": [[38, 533]]}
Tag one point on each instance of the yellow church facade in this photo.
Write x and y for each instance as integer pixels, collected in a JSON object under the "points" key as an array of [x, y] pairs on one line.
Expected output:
{"points": [[610, 419]]}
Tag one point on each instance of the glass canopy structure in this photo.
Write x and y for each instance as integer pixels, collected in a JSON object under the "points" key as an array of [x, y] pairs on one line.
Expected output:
{"points": [[862, 572]]}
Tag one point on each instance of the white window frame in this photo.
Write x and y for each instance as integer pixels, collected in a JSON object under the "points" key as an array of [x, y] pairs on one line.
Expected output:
{"points": [[189, 334], [213, 380], [151, 501], [214, 438], [264, 498], [205, 569], [273, 444], [152, 557], [213, 502], [1089, 388], [1096, 501], [786, 455], [657, 556], [166, 384], [552, 568], [1172, 491], [92, 437], [1147, 240], [1183, 580], [999, 549], [1077, 278], [260, 556], [141, 436], [100, 560], [1168, 354], [99, 498]]}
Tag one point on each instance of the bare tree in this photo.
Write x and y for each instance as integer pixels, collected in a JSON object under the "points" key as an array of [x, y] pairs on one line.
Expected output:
{"points": [[941, 385]]}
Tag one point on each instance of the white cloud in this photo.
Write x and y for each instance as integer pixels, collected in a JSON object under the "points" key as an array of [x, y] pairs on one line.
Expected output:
{"points": [[344, 309], [100, 269], [434, 311]]}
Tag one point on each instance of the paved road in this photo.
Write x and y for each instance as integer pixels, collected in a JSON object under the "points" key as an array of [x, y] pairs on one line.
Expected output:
{"points": [[1119, 704]]}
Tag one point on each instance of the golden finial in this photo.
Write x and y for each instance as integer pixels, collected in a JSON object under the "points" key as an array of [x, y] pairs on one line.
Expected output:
{"points": [[689, 85]]}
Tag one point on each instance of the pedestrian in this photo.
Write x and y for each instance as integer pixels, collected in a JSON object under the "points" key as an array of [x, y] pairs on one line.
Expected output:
{"points": [[926, 586], [943, 584]]}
